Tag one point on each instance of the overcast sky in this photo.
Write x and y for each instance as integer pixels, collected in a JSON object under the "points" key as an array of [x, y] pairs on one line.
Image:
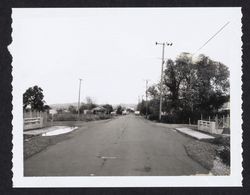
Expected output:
{"points": [[113, 50]]}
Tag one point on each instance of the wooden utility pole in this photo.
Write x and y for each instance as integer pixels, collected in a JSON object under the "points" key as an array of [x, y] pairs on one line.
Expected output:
{"points": [[79, 96]]}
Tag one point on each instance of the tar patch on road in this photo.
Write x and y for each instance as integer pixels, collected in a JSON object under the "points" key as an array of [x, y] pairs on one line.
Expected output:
{"points": [[144, 169]]}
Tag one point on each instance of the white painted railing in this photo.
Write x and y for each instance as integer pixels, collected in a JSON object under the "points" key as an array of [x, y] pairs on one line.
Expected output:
{"points": [[208, 126], [32, 123]]}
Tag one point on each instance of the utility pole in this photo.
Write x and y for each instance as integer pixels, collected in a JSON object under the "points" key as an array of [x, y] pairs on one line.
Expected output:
{"points": [[146, 98], [79, 95], [163, 61]]}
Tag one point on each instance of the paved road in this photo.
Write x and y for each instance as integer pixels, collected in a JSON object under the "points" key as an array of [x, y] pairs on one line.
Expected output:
{"points": [[125, 146]]}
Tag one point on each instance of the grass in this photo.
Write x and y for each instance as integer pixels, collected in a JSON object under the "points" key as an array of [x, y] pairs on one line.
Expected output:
{"points": [[202, 152], [205, 152]]}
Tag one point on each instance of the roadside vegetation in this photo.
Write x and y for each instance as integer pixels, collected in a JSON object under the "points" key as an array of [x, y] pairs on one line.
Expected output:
{"points": [[82, 117], [212, 154], [191, 88]]}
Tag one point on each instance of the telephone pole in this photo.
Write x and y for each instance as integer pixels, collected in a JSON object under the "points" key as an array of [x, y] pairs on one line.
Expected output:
{"points": [[146, 93], [79, 95], [163, 61]]}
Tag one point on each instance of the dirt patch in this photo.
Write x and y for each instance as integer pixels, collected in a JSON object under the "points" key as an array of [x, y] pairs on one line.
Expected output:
{"points": [[144, 169]]}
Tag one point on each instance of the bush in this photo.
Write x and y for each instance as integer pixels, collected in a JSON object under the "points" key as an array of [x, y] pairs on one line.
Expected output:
{"points": [[83, 117], [65, 117], [153, 117], [223, 141], [224, 154]]}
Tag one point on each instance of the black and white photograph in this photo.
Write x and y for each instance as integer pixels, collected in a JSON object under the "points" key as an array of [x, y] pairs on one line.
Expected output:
{"points": [[129, 97]]}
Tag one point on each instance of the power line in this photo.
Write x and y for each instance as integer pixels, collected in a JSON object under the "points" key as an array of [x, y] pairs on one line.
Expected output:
{"points": [[212, 37]]}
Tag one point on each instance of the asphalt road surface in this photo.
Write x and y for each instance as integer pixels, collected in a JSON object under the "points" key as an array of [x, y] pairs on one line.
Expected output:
{"points": [[125, 146]]}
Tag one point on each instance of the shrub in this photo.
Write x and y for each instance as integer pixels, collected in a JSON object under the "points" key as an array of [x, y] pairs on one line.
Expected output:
{"points": [[83, 117], [65, 117], [223, 141], [224, 154]]}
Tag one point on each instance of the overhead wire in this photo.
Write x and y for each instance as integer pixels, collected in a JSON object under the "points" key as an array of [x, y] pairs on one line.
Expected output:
{"points": [[211, 38]]}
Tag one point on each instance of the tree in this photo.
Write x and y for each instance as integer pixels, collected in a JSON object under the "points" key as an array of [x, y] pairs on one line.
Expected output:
{"points": [[191, 87], [108, 107], [153, 92], [212, 83], [46, 108], [33, 97], [90, 103], [73, 109], [119, 110]]}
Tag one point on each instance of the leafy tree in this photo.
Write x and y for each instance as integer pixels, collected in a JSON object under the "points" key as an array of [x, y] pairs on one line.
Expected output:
{"points": [[212, 83], [33, 97], [109, 108], [153, 92], [142, 107], [90, 103], [172, 80], [119, 110], [46, 108], [73, 109], [190, 87]]}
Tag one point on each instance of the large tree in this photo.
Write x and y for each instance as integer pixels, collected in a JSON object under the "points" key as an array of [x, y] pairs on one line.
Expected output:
{"points": [[212, 83], [109, 108], [191, 87], [33, 97]]}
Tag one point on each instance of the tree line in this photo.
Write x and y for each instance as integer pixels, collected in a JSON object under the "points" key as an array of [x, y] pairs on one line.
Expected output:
{"points": [[33, 100], [191, 88]]}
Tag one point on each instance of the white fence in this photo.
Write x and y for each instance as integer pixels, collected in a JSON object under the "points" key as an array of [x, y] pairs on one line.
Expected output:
{"points": [[209, 127], [34, 120], [32, 123]]}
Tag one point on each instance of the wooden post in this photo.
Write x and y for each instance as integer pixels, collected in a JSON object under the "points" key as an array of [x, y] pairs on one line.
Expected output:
{"points": [[189, 121], [216, 121], [209, 118]]}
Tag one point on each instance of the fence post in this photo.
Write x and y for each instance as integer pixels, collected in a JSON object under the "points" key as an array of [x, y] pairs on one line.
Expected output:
{"points": [[216, 121]]}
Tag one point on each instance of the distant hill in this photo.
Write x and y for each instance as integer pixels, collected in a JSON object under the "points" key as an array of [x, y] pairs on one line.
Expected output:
{"points": [[62, 106], [125, 105]]}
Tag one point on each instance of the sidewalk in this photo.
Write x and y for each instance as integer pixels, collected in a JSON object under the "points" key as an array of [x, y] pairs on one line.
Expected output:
{"points": [[187, 130], [194, 134]]}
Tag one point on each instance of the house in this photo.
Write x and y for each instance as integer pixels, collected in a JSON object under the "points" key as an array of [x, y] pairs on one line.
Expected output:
{"points": [[53, 111], [87, 111], [99, 110], [225, 106]]}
